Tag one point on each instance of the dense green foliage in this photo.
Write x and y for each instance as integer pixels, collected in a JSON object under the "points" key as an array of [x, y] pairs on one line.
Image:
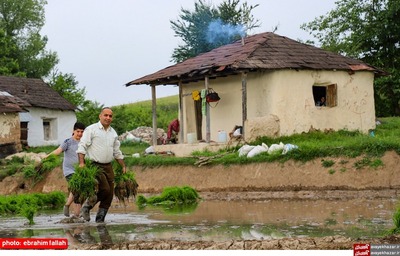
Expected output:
{"points": [[28, 204], [368, 30], [67, 87], [130, 116], [89, 113], [22, 51], [208, 27]]}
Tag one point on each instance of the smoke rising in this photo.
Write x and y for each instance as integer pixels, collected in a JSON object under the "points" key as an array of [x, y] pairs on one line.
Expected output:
{"points": [[220, 33]]}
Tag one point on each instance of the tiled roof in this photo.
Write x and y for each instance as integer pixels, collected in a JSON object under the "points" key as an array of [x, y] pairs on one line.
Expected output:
{"points": [[35, 92], [10, 103], [265, 51]]}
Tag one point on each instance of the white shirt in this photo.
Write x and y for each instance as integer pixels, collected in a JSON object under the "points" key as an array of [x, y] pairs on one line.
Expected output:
{"points": [[100, 145]]}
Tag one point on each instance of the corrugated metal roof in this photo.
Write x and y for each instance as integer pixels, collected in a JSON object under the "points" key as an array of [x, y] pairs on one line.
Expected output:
{"points": [[34, 92], [262, 51]]}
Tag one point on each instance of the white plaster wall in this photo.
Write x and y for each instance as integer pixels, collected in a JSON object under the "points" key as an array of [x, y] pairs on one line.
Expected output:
{"points": [[287, 94], [64, 123]]}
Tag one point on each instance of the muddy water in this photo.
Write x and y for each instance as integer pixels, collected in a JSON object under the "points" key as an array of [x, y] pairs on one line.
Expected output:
{"points": [[217, 221]]}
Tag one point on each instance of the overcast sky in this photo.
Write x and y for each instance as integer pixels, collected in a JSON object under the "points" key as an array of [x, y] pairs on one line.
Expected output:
{"points": [[106, 44]]}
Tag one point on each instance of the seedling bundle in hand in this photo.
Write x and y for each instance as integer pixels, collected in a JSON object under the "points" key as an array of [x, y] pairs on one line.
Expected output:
{"points": [[125, 183], [83, 183]]}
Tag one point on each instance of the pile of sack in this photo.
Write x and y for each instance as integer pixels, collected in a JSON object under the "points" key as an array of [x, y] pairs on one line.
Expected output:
{"points": [[251, 151]]}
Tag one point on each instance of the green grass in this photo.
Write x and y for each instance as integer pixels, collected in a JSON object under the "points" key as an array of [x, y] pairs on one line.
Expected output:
{"points": [[310, 146]]}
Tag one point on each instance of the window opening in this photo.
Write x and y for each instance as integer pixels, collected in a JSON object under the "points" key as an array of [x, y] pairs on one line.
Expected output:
{"points": [[325, 95], [46, 129]]}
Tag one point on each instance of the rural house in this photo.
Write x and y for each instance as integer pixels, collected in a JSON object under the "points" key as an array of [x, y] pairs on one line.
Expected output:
{"points": [[272, 86], [47, 119], [10, 132]]}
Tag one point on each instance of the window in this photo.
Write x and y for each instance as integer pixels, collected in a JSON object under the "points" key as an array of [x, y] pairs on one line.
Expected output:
{"points": [[46, 129], [325, 95], [49, 129]]}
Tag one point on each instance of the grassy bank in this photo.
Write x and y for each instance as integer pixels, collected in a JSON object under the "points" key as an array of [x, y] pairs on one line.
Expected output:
{"points": [[310, 146]]}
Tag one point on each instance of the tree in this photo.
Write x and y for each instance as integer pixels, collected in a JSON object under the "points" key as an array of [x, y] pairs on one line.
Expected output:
{"points": [[89, 114], [24, 52], [368, 30], [208, 27], [67, 87]]}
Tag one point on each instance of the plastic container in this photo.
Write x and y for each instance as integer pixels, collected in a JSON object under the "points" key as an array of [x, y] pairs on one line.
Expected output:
{"points": [[222, 138], [191, 138]]}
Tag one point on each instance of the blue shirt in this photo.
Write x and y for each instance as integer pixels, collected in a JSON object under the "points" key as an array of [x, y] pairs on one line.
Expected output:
{"points": [[69, 147]]}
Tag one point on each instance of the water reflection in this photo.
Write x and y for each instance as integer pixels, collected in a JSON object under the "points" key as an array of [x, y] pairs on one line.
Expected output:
{"points": [[83, 235], [218, 221]]}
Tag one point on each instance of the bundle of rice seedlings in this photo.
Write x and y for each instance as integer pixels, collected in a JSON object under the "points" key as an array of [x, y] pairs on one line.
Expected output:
{"points": [[125, 183], [83, 183], [36, 172], [171, 195], [48, 164]]}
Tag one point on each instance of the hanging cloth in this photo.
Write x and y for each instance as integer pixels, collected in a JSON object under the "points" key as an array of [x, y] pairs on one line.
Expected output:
{"points": [[203, 102]]}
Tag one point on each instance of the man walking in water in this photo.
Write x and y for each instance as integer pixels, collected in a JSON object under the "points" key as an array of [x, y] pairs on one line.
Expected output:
{"points": [[101, 146]]}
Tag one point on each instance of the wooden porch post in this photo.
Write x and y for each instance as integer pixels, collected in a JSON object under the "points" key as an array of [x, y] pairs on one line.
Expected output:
{"points": [[181, 122], [244, 101], [154, 111], [208, 133]]}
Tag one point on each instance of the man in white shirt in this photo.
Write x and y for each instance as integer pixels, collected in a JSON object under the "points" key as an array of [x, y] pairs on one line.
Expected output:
{"points": [[100, 145]]}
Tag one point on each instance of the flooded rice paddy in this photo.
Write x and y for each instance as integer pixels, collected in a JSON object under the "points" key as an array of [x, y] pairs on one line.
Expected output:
{"points": [[216, 221]]}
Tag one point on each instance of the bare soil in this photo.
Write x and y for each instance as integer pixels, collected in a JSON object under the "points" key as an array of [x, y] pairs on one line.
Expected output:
{"points": [[260, 181]]}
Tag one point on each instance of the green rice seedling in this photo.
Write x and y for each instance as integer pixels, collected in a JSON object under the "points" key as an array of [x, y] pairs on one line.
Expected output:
{"points": [[84, 182], [53, 200], [172, 195], [36, 172], [125, 183], [29, 171], [28, 211], [48, 164], [28, 204]]}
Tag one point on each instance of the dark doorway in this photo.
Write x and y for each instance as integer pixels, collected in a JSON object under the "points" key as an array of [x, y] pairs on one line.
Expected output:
{"points": [[199, 118]]}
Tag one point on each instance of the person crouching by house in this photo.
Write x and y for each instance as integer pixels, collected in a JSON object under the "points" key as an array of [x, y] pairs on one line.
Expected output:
{"points": [[173, 130], [69, 147], [101, 146]]}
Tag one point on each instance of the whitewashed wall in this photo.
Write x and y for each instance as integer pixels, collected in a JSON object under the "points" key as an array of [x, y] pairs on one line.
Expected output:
{"points": [[63, 123], [286, 96]]}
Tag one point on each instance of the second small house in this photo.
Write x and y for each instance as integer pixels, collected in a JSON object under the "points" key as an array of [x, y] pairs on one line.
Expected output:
{"points": [[45, 117]]}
